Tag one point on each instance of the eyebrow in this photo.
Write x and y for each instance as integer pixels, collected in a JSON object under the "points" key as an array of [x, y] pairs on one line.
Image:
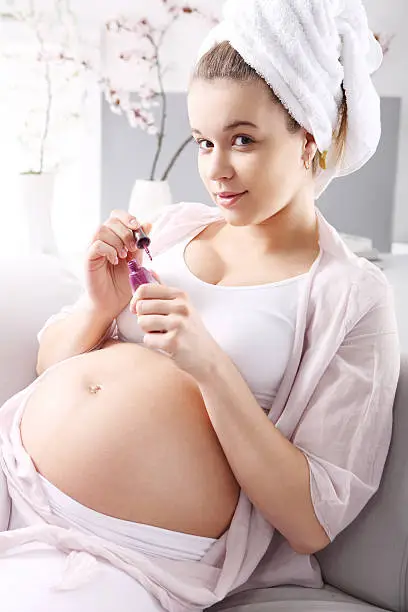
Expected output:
{"points": [[230, 126]]}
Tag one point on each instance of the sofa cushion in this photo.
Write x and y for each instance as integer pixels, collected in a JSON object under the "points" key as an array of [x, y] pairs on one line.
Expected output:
{"points": [[293, 599], [32, 289], [369, 559]]}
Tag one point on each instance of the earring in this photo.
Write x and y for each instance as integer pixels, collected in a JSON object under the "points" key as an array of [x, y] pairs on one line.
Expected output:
{"points": [[323, 160], [308, 163]]}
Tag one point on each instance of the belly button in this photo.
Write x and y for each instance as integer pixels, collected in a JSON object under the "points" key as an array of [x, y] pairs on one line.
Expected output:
{"points": [[94, 388]]}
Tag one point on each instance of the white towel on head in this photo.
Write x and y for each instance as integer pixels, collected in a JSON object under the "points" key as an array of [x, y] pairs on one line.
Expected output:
{"points": [[305, 50]]}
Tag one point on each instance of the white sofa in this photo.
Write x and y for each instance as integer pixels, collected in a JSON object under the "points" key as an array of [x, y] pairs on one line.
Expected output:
{"points": [[365, 569]]}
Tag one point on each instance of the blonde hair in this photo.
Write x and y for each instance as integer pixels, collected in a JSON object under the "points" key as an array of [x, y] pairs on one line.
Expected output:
{"points": [[224, 62]]}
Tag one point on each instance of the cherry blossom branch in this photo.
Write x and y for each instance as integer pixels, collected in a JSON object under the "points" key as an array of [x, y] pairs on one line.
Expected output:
{"points": [[175, 157], [160, 135], [138, 112], [48, 83]]}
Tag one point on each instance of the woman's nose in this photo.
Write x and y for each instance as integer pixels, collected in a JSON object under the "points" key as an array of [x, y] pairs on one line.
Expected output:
{"points": [[220, 167]]}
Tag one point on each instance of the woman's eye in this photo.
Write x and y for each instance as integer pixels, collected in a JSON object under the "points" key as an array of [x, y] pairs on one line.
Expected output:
{"points": [[201, 142], [245, 138]]}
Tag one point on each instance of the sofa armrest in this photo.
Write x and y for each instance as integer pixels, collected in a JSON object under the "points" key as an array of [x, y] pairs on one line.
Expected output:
{"points": [[32, 289]]}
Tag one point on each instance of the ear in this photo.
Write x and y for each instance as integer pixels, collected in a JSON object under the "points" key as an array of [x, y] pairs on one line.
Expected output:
{"points": [[310, 146]]}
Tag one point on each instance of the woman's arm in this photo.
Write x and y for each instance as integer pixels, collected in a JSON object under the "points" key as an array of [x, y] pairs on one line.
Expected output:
{"points": [[78, 332], [273, 473], [312, 489]]}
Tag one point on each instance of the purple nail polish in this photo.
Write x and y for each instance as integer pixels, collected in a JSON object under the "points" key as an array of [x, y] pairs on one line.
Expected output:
{"points": [[138, 275]]}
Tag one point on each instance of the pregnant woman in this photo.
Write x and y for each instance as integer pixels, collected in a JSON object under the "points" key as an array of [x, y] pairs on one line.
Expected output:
{"points": [[215, 429]]}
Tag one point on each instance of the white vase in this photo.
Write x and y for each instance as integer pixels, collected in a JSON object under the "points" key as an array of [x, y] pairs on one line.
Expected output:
{"points": [[148, 199], [36, 194]]}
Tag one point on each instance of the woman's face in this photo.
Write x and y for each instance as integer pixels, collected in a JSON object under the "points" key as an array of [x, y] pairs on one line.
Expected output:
{"points": [[263, 160]]}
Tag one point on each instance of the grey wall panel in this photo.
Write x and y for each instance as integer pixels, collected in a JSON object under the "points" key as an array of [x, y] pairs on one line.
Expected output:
{"points": [[127, 154], [363, 203]]}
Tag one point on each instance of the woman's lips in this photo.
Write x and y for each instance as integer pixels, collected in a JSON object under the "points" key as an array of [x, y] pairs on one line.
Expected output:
{"points": [[230, 201]]}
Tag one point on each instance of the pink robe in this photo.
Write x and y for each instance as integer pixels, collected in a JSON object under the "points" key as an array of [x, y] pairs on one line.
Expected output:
{"points": [[335, 404]]}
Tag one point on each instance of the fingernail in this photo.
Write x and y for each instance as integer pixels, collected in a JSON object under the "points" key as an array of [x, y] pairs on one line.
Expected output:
{"points": [[123, 253], [134, 223]]}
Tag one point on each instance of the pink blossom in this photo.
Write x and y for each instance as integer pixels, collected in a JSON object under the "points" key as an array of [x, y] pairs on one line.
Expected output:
{"points": [[152, 130], [115, 108]]}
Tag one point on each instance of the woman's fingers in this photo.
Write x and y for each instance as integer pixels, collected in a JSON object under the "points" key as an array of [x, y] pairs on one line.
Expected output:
{"points": [[160, 307], [123, 224], [100, 249], [156, 276], [111, 237], [157, 293], [159, 323], [117, 232], [126, 218], [153, 291]]}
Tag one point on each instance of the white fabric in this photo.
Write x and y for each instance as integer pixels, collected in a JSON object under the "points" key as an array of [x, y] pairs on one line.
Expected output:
{"points": [[28, 577], [305, 50], [5, 503], [265, 316], [153, 541]]}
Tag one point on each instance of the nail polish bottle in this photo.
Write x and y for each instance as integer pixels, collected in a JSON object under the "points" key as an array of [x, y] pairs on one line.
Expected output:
{"points": [[139, 275]]}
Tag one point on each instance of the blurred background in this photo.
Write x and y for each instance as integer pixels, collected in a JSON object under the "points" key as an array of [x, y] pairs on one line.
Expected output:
{"points": [[93, 117]]}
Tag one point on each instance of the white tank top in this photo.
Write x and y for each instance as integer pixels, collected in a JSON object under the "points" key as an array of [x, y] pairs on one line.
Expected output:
{"points": [[254, 325]]}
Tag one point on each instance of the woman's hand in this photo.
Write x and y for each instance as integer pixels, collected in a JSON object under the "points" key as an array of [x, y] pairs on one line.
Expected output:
{"points": [[107, 276], [172, 325]]}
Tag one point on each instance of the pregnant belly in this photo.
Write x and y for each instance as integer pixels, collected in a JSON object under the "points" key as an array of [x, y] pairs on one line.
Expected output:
{"points": [[125, 432]]}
